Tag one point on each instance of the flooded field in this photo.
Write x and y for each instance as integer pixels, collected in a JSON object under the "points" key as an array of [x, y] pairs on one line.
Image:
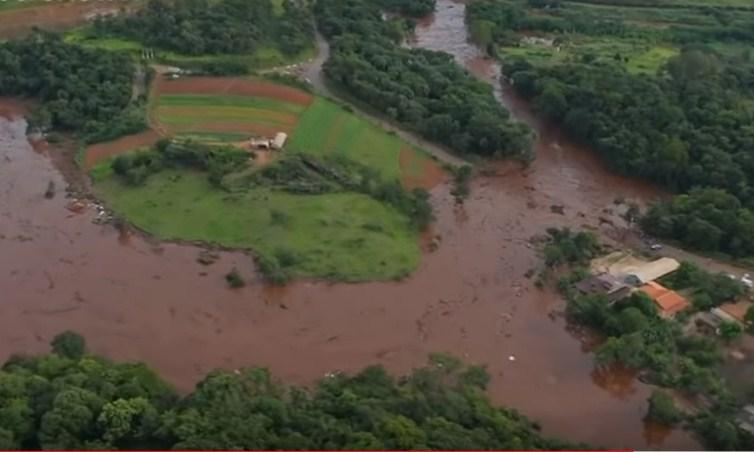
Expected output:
{"points": [[137, 300]]}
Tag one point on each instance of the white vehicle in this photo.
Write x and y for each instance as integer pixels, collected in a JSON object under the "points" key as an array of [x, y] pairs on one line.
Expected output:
{"points": [[656, 247], [748, 282]]}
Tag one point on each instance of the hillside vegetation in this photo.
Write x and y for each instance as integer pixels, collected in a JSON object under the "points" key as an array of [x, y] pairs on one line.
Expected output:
{"points": [[72, 400]]}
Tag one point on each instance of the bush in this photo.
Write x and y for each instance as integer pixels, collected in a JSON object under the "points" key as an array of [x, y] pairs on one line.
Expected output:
{"points": [[69, 345], [234, 279], [662, 409]]}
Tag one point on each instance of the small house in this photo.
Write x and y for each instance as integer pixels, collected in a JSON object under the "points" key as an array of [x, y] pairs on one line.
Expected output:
{"points": [[651, 271], [279, 141], [605, 284], [668, 302], [736, 311], [260, 143]]}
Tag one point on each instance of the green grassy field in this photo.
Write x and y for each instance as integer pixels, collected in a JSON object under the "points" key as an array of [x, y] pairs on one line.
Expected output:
{"points": [[343, 236], [328, 128]]}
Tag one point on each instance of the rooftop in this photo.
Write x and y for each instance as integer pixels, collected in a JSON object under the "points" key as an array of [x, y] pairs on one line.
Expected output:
{"points": [[669, 301]]}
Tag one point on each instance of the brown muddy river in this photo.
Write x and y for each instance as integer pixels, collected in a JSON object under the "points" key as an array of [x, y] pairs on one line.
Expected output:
{"points": [[136, 300]]}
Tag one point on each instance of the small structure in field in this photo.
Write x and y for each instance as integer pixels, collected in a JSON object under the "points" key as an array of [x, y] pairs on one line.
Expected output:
{"points": [[260, 143], [667, 301], [276, 143], [651, 271], [279, 141], [605, 284]]}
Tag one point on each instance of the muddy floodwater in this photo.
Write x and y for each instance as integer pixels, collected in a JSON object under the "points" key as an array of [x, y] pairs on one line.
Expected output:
{"points": [[137, 300]]}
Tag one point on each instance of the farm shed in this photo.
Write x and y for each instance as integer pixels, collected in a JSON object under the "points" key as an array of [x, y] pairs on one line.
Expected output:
{"points": [[279, 141], [651, 271], [667, 301], [605, 284], [260, 143]]}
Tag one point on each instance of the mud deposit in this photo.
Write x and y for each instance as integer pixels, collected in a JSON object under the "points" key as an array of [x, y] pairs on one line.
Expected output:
{"points": [[154, 302]]}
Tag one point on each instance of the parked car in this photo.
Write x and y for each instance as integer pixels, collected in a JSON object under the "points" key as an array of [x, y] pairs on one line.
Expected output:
{"points": [[748, 282], [655, 247]]}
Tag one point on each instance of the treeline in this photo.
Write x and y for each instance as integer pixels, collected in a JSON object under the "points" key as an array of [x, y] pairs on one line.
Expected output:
{"points": [[707, 220], [81, 90], [413, 8], [497, 21], [71, 400], [202, 27], [425, 91], [690, 127]]}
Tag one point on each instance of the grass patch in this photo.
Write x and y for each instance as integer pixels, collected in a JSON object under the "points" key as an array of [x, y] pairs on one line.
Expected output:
{"points": [[328, 128], [339, 236]]}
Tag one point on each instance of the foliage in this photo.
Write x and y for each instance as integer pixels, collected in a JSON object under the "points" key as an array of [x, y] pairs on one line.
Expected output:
{"points": [[567, 247], [639, 339], [688, 129], [462, 183], [424, 90], [69, 345], [705, 219], [57, 402], [79, 89], [414, 8], [200, 27], [709, 289], [234, 279], [662, 409], [217, 161], [730, 331]]}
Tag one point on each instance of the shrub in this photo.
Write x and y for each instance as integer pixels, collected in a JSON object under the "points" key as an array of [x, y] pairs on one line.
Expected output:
{"points": [[234, 279], [69, 345], [662, 409]]}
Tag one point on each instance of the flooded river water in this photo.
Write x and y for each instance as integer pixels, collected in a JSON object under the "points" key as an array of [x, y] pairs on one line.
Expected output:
{"points": [[137, 300]]}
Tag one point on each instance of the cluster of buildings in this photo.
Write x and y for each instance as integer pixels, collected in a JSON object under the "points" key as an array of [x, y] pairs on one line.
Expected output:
{"points": [[619, 274]]}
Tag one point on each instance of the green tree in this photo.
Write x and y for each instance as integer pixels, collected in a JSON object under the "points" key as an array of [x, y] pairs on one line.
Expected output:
{"points": [[662, 409], [69, 345]]}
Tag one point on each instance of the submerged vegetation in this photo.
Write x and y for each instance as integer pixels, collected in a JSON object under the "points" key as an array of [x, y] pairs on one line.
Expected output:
{"points": [[73, 400]]}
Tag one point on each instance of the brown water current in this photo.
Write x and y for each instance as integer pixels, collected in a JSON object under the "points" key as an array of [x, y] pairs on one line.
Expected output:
{"points": [[137, 300]]}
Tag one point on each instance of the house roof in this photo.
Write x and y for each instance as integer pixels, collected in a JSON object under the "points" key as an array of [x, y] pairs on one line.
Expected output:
{"points": [[737, 310], [654, 270], [604, 283], [669, 302]]}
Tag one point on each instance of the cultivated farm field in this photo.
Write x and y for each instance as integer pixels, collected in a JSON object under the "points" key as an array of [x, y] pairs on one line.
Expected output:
{"points": [[341, 235]]}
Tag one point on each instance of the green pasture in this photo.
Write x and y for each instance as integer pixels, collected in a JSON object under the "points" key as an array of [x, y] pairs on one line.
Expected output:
{"points": [[328, 128], [341, 236]]}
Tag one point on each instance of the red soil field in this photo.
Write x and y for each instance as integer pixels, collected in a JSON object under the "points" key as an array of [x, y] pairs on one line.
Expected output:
{"points": [[430, 176], [56, 15], [100, 152], [233, 86]]}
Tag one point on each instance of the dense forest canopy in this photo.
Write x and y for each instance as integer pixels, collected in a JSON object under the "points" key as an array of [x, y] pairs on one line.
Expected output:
{"points": [[424, 90], [687, 126], [79, 89], [199, 27], [72, 400]]}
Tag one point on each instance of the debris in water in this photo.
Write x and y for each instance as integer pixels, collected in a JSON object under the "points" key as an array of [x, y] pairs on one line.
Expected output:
{"points": [[511, 358], [50, 192]]}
